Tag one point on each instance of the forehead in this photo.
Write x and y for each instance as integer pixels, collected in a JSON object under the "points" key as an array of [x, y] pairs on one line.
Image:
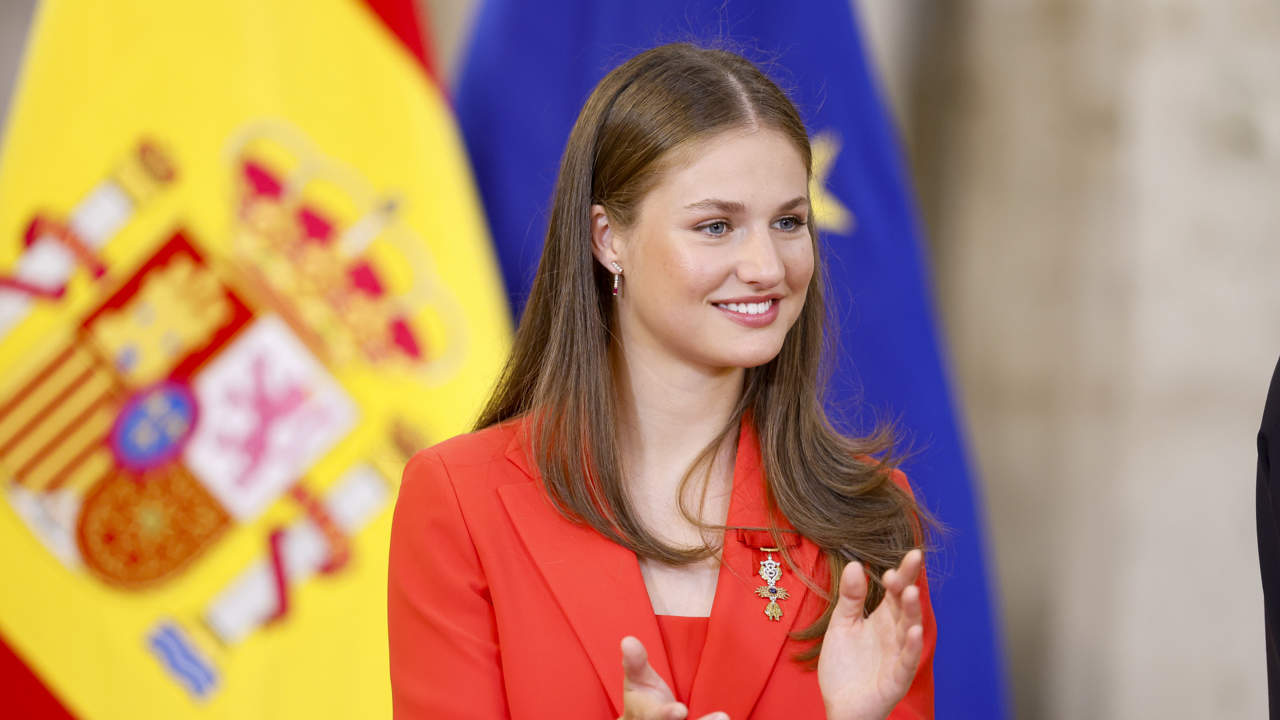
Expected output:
{"points": [[744, 164]]}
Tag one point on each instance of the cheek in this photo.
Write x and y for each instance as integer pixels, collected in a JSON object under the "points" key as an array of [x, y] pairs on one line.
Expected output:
{"points": [[692, 274], [799, 263]]}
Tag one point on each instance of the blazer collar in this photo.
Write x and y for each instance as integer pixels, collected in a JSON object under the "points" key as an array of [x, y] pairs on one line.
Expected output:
{"points": [[743, 644], [598, 585]]}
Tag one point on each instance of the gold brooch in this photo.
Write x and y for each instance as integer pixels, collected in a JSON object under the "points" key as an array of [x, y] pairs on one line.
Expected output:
{"points": [[771, 572]]}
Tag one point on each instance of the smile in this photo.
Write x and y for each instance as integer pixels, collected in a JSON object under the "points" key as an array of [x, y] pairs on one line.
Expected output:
{"points": [[751, 314]]}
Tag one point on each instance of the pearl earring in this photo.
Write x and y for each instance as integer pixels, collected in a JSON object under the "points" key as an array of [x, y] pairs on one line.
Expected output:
{"points": [[617, 277]]}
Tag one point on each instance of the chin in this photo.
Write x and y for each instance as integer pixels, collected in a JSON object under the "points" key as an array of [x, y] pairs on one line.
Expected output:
{"points": [[751, 357]]}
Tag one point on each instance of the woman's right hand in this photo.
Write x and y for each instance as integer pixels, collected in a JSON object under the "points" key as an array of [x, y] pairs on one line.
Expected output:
{"points": [[645, 696]]}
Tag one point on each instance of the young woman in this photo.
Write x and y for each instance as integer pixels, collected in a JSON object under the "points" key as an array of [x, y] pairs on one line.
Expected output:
{"points": [[654, 518]]}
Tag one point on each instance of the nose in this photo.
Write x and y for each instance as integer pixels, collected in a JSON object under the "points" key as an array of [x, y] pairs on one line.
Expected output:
{"points": [[759, 263]]}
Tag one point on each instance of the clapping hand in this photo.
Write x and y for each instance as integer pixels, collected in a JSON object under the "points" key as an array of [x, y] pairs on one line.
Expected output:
{"points": [[867, 663], [645, 696]]}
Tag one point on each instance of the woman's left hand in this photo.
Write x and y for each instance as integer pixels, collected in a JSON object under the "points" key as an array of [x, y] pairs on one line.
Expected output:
{"points": [[867, 663]]}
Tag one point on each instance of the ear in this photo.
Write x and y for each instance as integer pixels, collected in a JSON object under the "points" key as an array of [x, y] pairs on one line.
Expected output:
{"points": [[606, 244]]}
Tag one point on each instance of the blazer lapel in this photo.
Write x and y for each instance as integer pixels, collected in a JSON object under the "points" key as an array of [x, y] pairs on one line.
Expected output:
{"points": [[743, 644], [596, 582]]}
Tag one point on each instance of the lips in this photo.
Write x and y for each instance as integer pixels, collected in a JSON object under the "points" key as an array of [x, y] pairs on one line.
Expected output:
{"points": [[748, 308], [751, 312]]}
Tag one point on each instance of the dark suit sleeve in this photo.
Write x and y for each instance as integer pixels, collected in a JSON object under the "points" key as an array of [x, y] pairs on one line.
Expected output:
{"points": [[443, 636], [1269, 532]]}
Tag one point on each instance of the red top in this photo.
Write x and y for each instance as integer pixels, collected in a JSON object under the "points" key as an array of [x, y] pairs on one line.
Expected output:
{"points": [[501, 608], [683, 638]]}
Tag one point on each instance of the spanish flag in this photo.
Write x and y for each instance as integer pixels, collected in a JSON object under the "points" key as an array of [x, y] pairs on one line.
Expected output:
{"points": [[244, 274]]}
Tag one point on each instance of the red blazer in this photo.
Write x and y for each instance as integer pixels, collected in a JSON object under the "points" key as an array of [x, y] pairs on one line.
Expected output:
{"points": [[499, 607]]}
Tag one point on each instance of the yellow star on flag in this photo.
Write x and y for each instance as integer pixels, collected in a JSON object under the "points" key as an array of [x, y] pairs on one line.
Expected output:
{"points": [[828, 211]]}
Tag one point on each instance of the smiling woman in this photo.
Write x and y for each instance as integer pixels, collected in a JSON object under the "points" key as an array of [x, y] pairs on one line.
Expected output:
{"points": [[690, 262], [656, 441]]}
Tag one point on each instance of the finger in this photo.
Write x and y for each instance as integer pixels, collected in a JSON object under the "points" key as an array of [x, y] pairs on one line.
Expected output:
{"points": [[892, 581], [634, 656], [674, 711], [636, 670], [896, 579], [715, 716], [639, 706], [912, 611], [904, 670], [908, 571], [911, 615], [853, 594]]}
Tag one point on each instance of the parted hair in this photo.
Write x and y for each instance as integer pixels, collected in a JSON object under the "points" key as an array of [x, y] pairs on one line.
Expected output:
{"points": [[834, 489]]}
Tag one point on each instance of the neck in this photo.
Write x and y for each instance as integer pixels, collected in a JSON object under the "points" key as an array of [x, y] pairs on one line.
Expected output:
{"points": [[668, 414]]}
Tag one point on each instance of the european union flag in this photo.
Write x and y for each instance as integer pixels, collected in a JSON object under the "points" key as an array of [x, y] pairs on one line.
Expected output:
{"points": [[528, 71]]}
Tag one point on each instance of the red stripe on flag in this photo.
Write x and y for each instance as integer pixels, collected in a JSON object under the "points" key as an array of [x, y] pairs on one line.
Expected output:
{"points": [[275, 545], [49, 407], [22, 695], [405, 22]]}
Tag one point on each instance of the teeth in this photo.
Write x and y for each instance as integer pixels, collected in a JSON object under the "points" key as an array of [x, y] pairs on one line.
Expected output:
{"points": [[748, 308]]}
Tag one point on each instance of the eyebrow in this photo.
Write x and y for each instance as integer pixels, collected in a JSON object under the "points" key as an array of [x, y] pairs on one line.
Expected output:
{"points": [[732, 206]]}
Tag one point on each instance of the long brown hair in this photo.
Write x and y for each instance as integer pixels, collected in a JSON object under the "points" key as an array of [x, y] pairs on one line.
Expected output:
{"points": [[835, 490]]}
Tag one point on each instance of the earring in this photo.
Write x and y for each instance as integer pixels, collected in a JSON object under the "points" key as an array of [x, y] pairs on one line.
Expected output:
{"points": [[617, 276]]}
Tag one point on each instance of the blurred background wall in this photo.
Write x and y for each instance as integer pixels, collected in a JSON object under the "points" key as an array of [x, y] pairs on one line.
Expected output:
{"points": [[1101, 184], [1099, 181]]}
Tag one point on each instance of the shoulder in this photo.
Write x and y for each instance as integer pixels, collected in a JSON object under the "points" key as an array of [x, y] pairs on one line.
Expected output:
{"points": [[449, 496], [896, 474], [466, 464], [900, 479], [476, 448]]}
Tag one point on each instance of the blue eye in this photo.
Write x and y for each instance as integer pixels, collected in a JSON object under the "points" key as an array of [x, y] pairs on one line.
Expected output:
{"points": [[718, 227], [789, 223]]}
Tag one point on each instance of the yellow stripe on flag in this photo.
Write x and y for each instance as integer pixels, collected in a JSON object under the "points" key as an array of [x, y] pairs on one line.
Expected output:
{"points": [[37, 397]]}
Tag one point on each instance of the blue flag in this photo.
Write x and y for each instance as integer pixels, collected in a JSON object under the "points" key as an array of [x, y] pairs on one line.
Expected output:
{"points": [[528, 71]]}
